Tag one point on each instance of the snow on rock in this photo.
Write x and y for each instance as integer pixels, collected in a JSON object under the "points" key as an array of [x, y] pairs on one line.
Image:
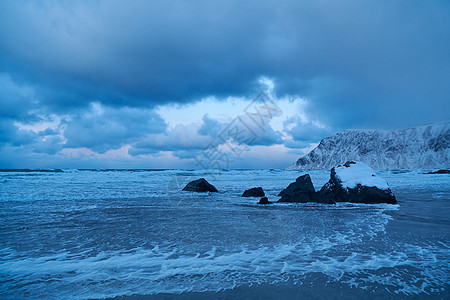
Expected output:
{"points": [[353, 182], [357, 183], [423, 147], [353, 173]]}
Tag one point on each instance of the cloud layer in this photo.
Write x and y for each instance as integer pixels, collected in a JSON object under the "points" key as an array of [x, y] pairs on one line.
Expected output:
{"points": [[90, 74]]}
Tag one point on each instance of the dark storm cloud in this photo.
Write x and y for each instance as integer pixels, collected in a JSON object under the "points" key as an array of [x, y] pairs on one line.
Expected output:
{"points": [[361, 55], [380, 64], [17, 101], [97, 127], [11, 134], [180, 137], [304, 133], [210, 126], [104, 128], [51, 145], [139, 53]]}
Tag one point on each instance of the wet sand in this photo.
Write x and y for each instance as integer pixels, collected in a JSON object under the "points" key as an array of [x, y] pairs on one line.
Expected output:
{"points": [[314, 289]]}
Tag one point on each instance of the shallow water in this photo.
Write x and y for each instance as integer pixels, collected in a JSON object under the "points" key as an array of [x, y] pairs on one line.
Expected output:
{"points": [[96, 234]]}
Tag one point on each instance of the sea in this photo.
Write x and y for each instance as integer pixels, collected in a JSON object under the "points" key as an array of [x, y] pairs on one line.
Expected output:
{"points": [[133, 234]]}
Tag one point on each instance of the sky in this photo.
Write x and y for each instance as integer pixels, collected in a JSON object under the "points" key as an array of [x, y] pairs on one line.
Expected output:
{"points": [[157, 84]]}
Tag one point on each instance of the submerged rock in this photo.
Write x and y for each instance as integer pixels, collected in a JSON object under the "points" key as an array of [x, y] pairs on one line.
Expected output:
{"points": [[357, 183], [439, 172], [200, 185], [264, 200], [301, 191], [254, 192]]}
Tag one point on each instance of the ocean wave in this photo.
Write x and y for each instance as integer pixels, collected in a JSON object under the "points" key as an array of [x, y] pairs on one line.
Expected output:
{"points": [[167, 269], [31, 170]]}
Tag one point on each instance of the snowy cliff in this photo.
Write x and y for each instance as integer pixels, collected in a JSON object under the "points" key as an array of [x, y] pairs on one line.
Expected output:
{"points": [[424, 147]]}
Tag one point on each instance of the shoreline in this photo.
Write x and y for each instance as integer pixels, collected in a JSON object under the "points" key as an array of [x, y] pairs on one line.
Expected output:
{"points": [[287, 291]]}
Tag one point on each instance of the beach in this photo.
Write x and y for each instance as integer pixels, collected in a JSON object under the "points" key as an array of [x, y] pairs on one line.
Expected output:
{"points": [[133, 234]]}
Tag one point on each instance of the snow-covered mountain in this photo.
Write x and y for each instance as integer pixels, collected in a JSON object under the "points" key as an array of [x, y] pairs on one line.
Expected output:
{"points": [[423, 147]]}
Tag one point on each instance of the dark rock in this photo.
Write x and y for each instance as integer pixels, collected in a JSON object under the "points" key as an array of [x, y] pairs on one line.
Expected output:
{"points": [[200, 185], [349, 163], [439, 172], [264, 200], [301, 191], [254, 192], [336, 191]]}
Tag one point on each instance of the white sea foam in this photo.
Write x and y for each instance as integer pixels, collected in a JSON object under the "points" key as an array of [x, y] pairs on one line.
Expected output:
{"points": [[149, 271]]}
